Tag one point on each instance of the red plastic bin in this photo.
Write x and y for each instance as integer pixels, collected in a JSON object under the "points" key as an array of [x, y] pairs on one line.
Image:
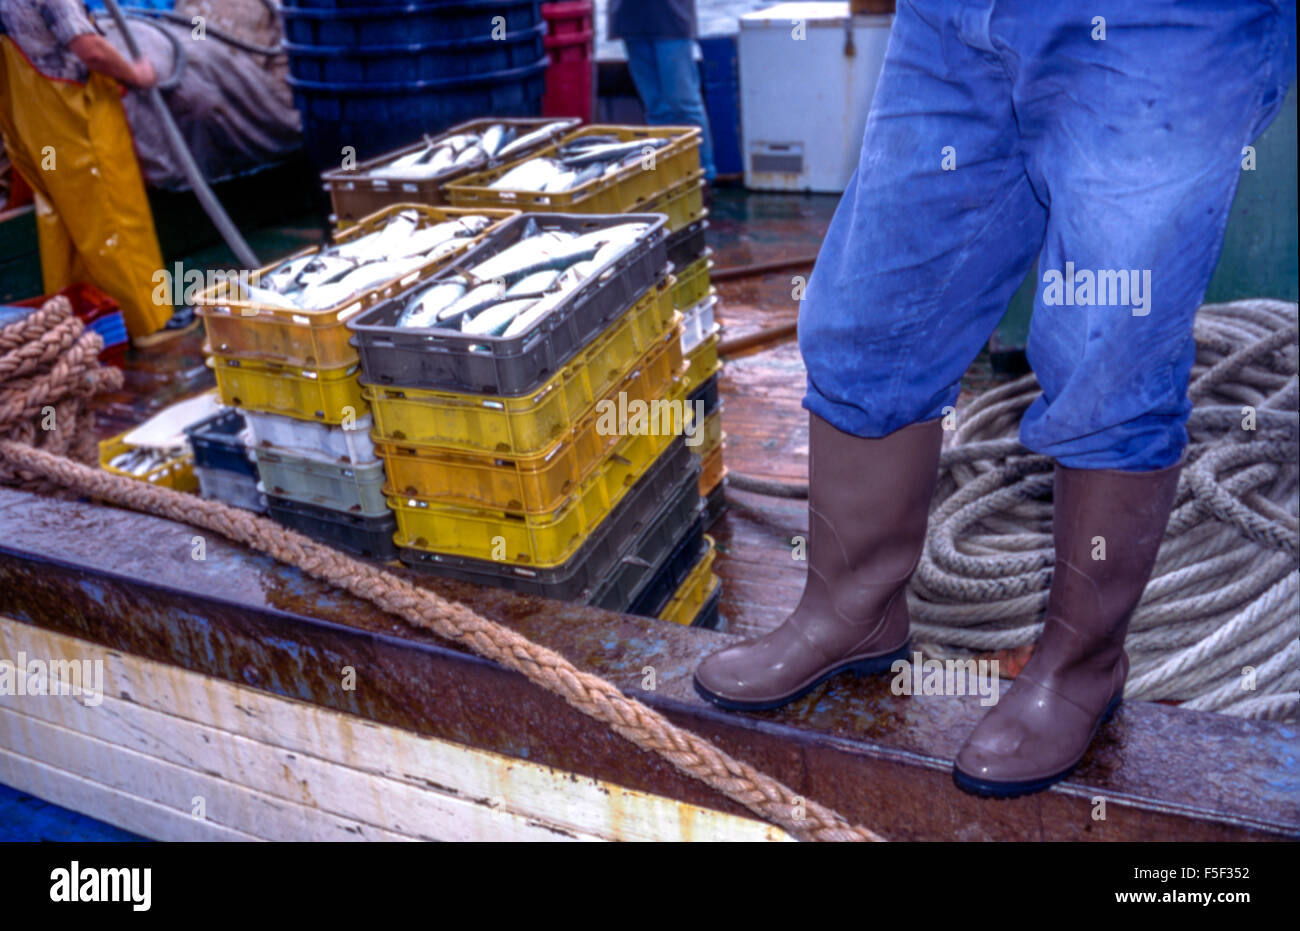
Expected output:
{"points": [[568, 17], [569, 79]]}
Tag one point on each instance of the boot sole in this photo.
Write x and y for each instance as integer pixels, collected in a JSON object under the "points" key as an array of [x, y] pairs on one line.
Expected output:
{"points": [[862, 667], [988, 788]]}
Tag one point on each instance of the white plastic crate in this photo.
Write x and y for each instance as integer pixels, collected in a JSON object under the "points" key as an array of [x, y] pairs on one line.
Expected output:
{"points": [[311, 440], [698, 322]]}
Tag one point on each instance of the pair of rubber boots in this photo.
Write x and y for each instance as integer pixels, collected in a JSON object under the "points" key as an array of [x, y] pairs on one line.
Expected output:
{"points": [[868, 503]]}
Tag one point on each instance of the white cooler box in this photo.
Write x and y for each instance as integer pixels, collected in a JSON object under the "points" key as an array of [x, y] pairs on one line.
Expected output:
{"points": [[804, 102]]}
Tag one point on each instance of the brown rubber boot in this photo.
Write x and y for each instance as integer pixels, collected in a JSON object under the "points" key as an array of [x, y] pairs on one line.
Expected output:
{"points": [[1074, 681], [868, 501]]}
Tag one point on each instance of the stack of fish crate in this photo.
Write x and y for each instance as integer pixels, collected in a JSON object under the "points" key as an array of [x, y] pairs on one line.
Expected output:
{"points": [[502, 392], [700, 336], [415, 174], [620, 169], [279, 346], [223, 463]]}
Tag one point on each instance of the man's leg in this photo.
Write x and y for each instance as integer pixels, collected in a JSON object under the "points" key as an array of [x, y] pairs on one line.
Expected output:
{"points": [[934, 234], [643, 65], [1136, 142], [683, 103]]}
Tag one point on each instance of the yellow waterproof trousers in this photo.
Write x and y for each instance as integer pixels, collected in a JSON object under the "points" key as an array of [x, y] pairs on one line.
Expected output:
{"points": [[72, 145]]}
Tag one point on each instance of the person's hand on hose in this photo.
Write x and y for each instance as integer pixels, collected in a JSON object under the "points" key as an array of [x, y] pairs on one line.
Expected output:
{"points": [[99, 55], [143, 74]]}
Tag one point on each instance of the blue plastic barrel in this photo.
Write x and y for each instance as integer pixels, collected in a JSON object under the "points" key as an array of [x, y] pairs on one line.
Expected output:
{"points": [[720, 72], [351, 23], [374, 78]]}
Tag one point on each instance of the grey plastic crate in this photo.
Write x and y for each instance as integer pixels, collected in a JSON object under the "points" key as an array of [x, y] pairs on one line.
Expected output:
{"points": [[689, 243], [234, 488], [710, 617], [654, 596], [438, 359], [665, 501], [356, 489]]}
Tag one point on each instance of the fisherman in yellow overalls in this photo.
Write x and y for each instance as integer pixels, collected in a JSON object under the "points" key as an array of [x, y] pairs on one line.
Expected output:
{"points": [[66, 133]]}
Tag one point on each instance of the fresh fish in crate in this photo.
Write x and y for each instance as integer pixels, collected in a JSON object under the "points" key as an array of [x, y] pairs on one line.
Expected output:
{"points": [[360, 279], [539, 310], [494, 137], [583, 152], [282, 277], [382, 244], [344, 270], [474, 300], [424, 306], [528, 139], [535, 283], [508, 292], [253, 294], [576, 163], [440, 155], [495, 319], [139, 461], [533, 255], [532, 175], [423, 241]]}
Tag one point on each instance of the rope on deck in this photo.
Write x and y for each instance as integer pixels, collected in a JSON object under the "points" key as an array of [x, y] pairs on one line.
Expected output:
{"points": [[49, 364], [1218, 626]]}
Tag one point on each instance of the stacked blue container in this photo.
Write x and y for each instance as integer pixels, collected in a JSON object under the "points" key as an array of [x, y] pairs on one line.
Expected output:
{"points": [[375, 78]]}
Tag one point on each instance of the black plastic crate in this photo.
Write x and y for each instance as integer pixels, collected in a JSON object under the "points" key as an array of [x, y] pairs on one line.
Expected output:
{"points": [[710, 617], [688, 244], [436, 359], [218, 443], [670, 479], [709, 394], [715, 504], [371, 537], [656, 594]]}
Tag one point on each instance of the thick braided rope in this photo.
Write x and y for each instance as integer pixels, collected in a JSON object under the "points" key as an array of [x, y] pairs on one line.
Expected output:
{"points": [[593, 696], [49, 366], [1225, 594]]}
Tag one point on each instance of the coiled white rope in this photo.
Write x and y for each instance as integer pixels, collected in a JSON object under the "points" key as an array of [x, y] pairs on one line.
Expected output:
{"points": [[1218, 628]]}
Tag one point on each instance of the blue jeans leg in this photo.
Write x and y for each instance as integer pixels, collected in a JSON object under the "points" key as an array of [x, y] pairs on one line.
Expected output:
{"points": [[668, 80], [936, 230], [1119, 156], [643, 64]]}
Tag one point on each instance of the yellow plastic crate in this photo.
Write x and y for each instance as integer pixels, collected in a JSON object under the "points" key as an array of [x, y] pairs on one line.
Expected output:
{"points": [[695, 590], [712, 470], [693, 282], [317, 338], [331, 395], [703, 362], [628, 190], [713, 435], [525, 425], [683, 203], [537, 540], [531, 484], [177, 474]]}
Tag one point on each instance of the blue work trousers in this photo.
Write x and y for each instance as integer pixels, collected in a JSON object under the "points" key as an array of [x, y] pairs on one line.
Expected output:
{"points": [[668, 82], [1107, 139]]}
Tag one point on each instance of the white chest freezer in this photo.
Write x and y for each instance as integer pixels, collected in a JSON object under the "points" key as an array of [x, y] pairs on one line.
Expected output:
{"points": [[808, 72]]}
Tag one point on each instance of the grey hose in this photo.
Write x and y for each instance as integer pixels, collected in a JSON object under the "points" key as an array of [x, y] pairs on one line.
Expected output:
{"points": [[139, 12], [198, 183], [179, 57]]}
